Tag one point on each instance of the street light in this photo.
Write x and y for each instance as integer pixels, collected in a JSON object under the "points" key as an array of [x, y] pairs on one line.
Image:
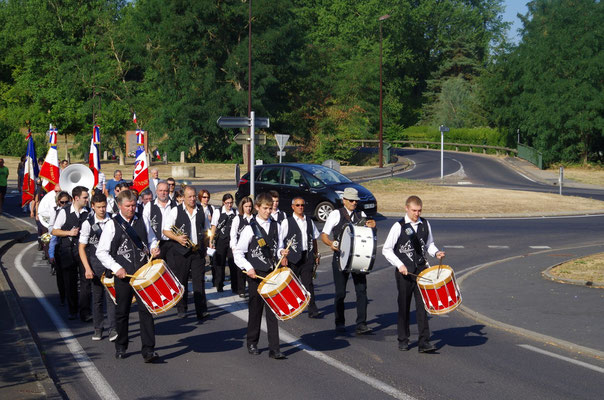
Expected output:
{"points": [[381, 149]]}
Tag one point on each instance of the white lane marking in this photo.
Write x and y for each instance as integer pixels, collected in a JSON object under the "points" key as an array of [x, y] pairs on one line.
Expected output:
{"points": [[98, 381], [567, 359], [20, 219], [540, 247], [238, 308], [464, 183], [453, 247], [498, 247], [524, 176]]}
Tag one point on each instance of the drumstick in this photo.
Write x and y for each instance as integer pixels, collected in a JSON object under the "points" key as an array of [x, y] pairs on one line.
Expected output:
{"points": [[266, 279], [440, 263], [419, 277], [281, 259]]}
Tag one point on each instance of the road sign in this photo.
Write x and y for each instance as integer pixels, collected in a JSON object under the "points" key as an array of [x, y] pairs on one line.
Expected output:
{"points": [[242, 122], [281, 141], [281, 153], [244, 138]]}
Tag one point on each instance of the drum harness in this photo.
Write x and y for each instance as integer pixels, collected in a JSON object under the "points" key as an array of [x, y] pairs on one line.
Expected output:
{"points": [[261, 241], [132, 235]]}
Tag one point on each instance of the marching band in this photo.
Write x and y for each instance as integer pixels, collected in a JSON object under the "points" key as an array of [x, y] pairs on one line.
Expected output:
{"points": [[107, 255]]}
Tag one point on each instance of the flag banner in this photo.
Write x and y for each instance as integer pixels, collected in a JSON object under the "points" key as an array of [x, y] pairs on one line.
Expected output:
{"points": [[30, 173], [49, 173], [94, 159], [141, 170], [134, 118], [156, 154]]}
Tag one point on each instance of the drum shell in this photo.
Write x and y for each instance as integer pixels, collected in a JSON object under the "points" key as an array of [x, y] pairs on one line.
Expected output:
{"points": [[442, 296], [159, 291], [289, 298], [360, 256]]}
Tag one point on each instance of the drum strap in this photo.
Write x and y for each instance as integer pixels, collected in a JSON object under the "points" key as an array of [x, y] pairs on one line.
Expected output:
{"points": [[262, 241], [414, 240], [131, 233]]}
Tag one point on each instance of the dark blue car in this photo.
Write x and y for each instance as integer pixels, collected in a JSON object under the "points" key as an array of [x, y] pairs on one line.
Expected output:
{"points": [[321, 187]]}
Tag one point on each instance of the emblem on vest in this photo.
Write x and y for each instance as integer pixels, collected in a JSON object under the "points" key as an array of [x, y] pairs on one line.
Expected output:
{"points": [[154, 223], [257, 253], [124, 250], [294, 244], [93, 240]]}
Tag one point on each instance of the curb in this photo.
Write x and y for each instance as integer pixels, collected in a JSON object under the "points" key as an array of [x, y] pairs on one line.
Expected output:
{"points": [[548, 340], [547, 275], [27, 344]]}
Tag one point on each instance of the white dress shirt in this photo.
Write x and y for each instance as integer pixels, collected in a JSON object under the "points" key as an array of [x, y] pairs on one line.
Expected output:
{"points": [[244, 242], [165, 210], [104, 246], [334, 219], [85, 231], [235, 228], [216, 214], [395, 232], [62, 216], [206, 212], [302, 225], [171, 220]]}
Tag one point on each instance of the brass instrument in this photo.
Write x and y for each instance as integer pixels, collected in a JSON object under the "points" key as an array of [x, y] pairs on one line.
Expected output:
{"points": [[180, 232], [45, 238]]}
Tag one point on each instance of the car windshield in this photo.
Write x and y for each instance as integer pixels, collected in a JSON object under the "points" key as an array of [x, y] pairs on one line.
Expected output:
{"points": [[327, 175]]}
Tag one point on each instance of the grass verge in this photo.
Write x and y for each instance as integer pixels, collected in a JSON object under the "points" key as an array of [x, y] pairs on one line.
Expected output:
{"points": [[589, 269]]}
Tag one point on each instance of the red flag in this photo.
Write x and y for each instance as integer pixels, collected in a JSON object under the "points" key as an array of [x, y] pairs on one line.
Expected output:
{"points": [[134, 118], [50, 169], [141, 170], [30, 173], [94, 159]]}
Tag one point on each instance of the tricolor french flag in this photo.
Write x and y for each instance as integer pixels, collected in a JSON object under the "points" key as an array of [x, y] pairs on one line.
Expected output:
{"points": [[141, 170], [50, 169], [30, 173], [94, 159]]}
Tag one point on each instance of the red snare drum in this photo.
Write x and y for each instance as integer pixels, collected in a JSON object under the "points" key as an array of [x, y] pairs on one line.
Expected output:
{"points": [[157, 287], [439, 289], [108, 283], [284, 294]]}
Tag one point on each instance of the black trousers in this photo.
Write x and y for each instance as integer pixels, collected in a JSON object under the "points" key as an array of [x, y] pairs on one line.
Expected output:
{"points": [[340, 280], [85, 300], [69, 264], [222, 257], [98, 293], [123, 295], [256, 305], [193, 265], [303, 269], [407, 287]]}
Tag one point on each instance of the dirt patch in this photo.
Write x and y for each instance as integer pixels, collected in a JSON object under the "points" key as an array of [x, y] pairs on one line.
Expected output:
{"points": [[588, 269], [392, 193], [588, 174]]}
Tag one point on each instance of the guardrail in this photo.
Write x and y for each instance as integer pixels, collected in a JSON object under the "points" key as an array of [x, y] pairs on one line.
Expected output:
{"points": [[484, 147]]}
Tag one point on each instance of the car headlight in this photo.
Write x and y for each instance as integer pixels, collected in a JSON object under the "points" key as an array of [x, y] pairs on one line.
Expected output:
{"points": [[340, 194]]}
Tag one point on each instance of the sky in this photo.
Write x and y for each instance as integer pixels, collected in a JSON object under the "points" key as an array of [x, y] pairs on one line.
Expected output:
{"points": [[512, 8]]}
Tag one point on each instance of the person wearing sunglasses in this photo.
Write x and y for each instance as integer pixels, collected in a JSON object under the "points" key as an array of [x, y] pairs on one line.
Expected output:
{"points": [[334, 225], [61, 199], [304, 252]]}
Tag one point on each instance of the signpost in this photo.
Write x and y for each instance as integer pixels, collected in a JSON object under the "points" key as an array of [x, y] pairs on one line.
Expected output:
{"points": [[442, 130], [244, 138], [244, 122], [281, 141]]}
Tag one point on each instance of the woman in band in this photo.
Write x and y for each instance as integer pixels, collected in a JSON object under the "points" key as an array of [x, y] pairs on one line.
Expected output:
{"points": [[221, 231], [246, 205]]}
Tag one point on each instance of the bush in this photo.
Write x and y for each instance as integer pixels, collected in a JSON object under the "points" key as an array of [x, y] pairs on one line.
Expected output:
{"points": [[15, 145], [479, 135]]}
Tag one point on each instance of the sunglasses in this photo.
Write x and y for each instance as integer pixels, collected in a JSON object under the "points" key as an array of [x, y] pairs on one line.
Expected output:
{"points": [[298, 205], [63, 202], [353, 201], [205, 197]]}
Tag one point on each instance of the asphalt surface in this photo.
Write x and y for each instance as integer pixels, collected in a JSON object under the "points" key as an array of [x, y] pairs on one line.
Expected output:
{"points": [[516, 334]]}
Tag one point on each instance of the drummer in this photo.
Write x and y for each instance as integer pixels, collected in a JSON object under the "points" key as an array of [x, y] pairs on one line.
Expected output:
{"points": [[256, 253], [123, 248], [334, 225], [406, 246]]}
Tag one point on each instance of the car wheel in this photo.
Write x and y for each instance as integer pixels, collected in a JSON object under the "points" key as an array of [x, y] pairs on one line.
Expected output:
{"points": [[323, 210]]}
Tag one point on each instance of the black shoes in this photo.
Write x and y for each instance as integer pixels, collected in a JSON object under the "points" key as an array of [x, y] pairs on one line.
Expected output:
{"points": [[427, 347], [403, 346], [203, 315], [363, 329], [253, 349], [182, 314], [120, 354], [277, 355], [315, 315], [86, 318], [150, 357]]}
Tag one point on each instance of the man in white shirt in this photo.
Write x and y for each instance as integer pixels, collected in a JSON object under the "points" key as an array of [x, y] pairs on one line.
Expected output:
{"points": [[304, 252], [257, 257], [334, 225], [405, 248], [153, 181], [188, 251], [124, 248]]}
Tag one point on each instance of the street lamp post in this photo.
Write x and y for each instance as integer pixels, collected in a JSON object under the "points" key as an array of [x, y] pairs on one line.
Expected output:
{"points": [[381, 138]]}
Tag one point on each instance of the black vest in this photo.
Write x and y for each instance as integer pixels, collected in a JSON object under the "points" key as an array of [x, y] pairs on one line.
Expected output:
{"points": [[264, 259], [405, 251], [280, 216], [183, 222], [242, 224], [72, 221], [294, 233], [155, 220], [123, 250], [223, 227], [355, 217], [93, 242]]}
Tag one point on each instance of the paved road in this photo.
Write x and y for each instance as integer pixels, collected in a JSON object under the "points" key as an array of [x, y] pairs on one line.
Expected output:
{"points": [[475, 360]]}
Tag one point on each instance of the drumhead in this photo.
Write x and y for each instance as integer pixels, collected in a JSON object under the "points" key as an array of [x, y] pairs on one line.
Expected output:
{"points": [[277, 279], [428, 278], [346, 246], [148, 273]]}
